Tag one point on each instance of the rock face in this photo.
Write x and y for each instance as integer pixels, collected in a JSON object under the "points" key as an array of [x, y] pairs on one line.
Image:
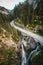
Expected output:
{"points": [[3, 10], [29, 42]]}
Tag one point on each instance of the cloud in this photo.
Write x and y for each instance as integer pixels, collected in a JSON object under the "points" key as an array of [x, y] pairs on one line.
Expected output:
{"points": [[9, 4]]}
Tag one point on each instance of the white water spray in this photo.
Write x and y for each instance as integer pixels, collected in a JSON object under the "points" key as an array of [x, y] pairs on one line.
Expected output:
{"points": [[23, 56]]}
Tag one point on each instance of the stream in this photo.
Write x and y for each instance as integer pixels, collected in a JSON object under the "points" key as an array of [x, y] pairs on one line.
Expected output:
{"points": [[28, 60], [25, 60], [23, 56]]}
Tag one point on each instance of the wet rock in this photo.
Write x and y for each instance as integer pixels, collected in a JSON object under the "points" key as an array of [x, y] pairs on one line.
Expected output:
{"points": [[29, 42]]}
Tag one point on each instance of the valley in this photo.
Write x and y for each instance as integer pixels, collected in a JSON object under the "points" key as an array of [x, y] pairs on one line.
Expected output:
{"points": [[21, 34]]}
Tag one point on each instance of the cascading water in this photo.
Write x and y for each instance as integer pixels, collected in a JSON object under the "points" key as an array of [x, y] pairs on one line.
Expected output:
{"points": [[27, 62], [23, 56], [31, 35], [37, 50]]}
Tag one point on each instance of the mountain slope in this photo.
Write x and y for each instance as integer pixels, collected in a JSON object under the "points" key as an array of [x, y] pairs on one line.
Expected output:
{"points": [[4, 10], [5, 25]]}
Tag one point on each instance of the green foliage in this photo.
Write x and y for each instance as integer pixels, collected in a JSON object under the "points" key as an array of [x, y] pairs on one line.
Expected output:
{"points": [[15, 34], [7, 56], [5, 24], [28, 13], [40, 32], [22, 11], [18, 22]]}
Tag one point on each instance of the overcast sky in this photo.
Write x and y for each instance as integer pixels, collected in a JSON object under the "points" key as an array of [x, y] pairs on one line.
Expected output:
{"points": [[9, 4]]}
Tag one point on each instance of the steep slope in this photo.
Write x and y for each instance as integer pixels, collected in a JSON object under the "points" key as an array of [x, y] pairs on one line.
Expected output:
{"points": [[6, 31], [8, 38], [4, 10]]}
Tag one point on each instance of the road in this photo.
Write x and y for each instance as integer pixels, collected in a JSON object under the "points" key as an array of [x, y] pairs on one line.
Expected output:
{"points": [[28, 33]]}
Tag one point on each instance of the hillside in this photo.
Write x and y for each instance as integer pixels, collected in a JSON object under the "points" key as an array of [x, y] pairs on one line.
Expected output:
{"points": [[8, 39], [4, 10], [5, 24], [21, 33], [32, 19]]}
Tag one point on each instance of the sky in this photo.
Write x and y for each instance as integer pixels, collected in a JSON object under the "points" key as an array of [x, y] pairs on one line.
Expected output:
{"points": [[9, 4]]}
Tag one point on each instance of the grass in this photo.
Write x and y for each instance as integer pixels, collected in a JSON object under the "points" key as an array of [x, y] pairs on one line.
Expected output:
{"points": [[5, 24], [19, 22], [8, 56], [35, 28]]}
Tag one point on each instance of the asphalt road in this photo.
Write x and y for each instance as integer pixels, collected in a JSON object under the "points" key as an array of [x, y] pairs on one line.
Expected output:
{"points": [[28, 33]]}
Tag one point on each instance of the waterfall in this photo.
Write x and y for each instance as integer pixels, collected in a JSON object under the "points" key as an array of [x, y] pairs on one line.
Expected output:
{"points": [[23, 56], [36, 50]]}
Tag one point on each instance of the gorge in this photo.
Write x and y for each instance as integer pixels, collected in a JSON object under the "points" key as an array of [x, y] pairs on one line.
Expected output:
{"points": [[21, 33], [28, 42]]}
